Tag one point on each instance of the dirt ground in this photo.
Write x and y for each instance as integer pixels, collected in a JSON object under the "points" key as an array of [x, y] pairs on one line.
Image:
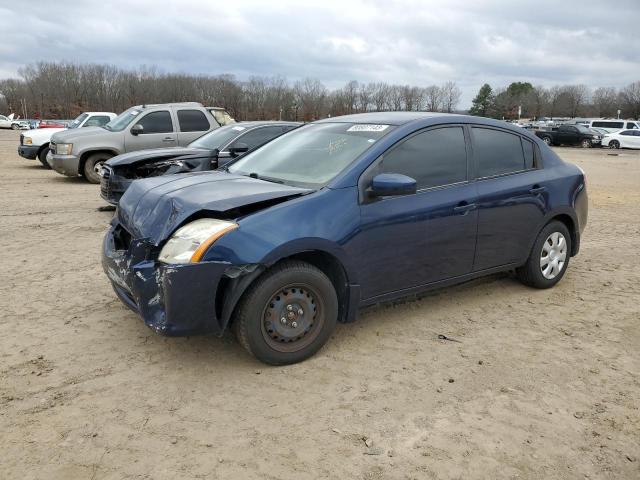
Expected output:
{"points": [[544, 384]]}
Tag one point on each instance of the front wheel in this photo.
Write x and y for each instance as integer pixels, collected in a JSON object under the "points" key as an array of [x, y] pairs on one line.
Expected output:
{"points": [[288, 314], [585, 143], [549, 257], [615, 144], [93, 166], [547, 140], [15, 127], [42, 156]]}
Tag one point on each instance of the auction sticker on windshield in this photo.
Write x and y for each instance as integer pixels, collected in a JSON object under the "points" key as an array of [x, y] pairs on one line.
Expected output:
{"points": [[367, 128]]}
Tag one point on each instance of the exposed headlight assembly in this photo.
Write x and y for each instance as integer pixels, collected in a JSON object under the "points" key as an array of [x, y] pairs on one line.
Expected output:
{"points": [[189, 243], [27, 141], [64, 148]]}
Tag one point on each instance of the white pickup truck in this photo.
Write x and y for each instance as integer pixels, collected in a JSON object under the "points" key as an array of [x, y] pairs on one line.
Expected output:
{"points": [[35, 143]]}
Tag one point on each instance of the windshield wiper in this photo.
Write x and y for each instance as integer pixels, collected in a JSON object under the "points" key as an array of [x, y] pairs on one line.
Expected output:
{"points": [[262, 177]]}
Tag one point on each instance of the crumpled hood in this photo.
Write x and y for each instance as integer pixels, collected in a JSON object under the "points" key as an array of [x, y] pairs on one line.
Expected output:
{"points": [[152, 208], [159, 153], [73, 134]]}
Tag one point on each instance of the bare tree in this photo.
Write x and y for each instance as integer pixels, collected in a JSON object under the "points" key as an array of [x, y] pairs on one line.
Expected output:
{"points": [[433, 98], [630, 96], [450, 96]]}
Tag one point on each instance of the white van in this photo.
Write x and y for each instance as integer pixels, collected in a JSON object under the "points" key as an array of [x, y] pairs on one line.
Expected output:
{"points": [[613, 125]]}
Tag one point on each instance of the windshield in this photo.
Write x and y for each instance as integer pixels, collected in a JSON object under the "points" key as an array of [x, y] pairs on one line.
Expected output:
{"points": [[76, 123], [312, 155], [218, 137], [582, 129], [121, 121]]}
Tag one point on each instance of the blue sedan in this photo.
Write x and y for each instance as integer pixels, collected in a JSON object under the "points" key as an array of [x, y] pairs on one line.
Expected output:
{"points": [[339, 214]]}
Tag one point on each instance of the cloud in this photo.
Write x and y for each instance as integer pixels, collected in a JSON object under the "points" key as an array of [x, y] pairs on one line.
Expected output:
{"points": [[405, 41]]}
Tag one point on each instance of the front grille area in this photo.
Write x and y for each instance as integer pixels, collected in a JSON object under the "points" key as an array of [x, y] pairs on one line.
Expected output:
{"points": [[121, 238], [52, 147], [105, 184]]}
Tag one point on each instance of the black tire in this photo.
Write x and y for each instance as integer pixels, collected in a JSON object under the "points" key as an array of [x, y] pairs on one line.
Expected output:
{"points": [[585, 143], [15, 127], [547, 140], [615, 144], [258, 322], [42, 156], [91, 165], [531, 273]]}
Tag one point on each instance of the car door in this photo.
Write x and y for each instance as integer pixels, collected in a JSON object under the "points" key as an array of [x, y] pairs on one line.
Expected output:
{"points": [[158, 131], [568, 135], [413, 240], [511, 196], [192, 124]]}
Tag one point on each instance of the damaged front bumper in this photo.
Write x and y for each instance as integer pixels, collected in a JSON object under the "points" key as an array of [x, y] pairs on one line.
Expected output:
{"points": [[174, 300]]}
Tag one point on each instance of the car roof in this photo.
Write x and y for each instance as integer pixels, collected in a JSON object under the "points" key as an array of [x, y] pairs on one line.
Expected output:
{"points": [[260, 123], [386, 118]]}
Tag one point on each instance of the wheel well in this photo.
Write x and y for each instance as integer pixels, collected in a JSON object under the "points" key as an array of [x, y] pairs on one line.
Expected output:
{"points": [[332, 268], [568, 222], [42, 147], [85, 155]]}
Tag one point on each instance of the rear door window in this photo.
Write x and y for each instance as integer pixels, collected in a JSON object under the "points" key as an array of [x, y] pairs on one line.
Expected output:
{"points": [[157, 122], [433, 158], [497, 152], [192, 121]]}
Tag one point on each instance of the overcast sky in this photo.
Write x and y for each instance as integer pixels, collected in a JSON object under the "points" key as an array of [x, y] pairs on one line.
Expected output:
{"points": [[408, 42]]}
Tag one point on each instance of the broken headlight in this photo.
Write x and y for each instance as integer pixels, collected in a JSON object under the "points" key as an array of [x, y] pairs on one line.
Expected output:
{"points": [[189, 243]]}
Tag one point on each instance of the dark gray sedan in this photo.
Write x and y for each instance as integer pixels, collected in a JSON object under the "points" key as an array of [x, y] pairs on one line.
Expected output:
{"points": [[213, 150]]}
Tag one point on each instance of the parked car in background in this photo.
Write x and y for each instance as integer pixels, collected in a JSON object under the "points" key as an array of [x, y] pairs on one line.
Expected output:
{"points": [[214, 149], [12, 123], [622, 139], [612, 125], [569, 135], [35, 143], [51, 124], [599, 131], [83, 152], [339, 214]]}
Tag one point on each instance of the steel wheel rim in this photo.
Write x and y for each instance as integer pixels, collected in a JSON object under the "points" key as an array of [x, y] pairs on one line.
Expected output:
{"points": [[586, 144], [292, 318], [553, 256]]}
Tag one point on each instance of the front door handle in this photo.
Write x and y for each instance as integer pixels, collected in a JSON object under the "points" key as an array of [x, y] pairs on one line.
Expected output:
{"points": [[168, 139], [464, 207], [536, 189]]}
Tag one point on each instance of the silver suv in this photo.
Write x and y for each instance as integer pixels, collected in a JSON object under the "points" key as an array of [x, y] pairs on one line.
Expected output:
{"points": [[82, 152]]}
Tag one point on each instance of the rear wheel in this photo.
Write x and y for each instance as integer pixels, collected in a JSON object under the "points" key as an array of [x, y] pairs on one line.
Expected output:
{"points": [[42, 156], [549, 257], [586, 143], [615, 144], [288, 314], [93, 166]]}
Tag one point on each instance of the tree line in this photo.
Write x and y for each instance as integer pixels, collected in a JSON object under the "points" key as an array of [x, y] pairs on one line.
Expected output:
{"points": [[63, 90], [558, 101]]}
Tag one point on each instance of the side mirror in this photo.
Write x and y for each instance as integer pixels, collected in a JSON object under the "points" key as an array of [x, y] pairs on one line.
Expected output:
{"points": [[238, 149], [392, 184], [137, 129]]}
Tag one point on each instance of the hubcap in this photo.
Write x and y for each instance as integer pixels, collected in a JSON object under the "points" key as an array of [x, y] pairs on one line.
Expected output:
{"points": [[293, 318], [553, 255], [547, 140]]}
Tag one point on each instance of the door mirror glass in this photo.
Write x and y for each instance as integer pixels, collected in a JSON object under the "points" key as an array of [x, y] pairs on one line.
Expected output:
{"points": [[392, 184], [137, 129]]}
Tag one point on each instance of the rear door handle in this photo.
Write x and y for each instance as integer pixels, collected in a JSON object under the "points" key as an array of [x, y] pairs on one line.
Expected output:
{"points": [[537, 189], [168, 139], [464, 208]]}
